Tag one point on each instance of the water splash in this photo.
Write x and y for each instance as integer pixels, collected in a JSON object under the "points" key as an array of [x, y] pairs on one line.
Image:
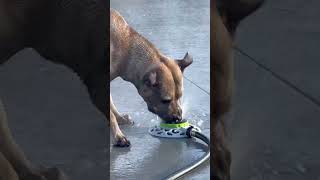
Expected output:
{"points": [[185, 107]]}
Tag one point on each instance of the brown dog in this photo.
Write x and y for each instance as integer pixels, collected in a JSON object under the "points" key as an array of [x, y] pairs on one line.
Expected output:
{"points": [[226, 15], [157, 78]]}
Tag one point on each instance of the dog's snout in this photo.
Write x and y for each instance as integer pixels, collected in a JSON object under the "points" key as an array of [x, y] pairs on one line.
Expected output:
{"points": [[177, 117], [179, 111]]}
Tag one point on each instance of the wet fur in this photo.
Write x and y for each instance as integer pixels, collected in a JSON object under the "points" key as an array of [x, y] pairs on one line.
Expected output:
{"points": [[226, 16]]}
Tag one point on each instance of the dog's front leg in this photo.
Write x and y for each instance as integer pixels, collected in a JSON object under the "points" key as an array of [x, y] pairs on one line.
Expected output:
{"points": [[97, 87], [98, 90], [120, 139], [121, 119], [13, 154]]}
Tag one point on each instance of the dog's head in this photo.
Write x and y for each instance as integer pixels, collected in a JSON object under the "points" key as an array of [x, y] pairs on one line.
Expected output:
{"points": [[162, 87]]}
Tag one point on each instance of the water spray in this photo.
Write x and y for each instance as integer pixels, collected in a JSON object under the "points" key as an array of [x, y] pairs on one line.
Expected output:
{"points": [[181, 129]]}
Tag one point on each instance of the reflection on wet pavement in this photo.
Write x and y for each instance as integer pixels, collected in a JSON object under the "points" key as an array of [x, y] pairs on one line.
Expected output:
{"points": [[174, 27]]}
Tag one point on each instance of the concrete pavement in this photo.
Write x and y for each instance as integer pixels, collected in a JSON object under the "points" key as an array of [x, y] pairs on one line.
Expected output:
{"points": [[274, 129]]}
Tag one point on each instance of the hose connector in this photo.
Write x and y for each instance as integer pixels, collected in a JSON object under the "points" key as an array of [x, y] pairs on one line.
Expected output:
{"points": [[189, 132]]}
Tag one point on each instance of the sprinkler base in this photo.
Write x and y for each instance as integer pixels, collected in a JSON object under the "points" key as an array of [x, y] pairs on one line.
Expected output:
{"points": [[172, 130]]}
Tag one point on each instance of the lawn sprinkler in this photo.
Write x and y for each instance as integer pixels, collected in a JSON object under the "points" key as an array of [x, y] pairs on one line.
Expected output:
{"points": [[181, 129], [172, 129]]}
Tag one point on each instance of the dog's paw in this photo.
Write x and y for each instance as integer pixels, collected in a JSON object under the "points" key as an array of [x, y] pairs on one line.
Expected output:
{"points": [[122, 141], [125, 120]]}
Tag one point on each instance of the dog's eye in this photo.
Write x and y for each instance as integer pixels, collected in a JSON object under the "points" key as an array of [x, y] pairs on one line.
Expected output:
{"points": [[166, 101]]}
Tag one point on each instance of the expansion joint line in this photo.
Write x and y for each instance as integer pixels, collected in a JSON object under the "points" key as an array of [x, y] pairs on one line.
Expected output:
{"points": [[279, 77]]}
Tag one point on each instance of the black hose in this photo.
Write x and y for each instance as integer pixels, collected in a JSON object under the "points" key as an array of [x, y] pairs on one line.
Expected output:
{"points": [[192, 133]]}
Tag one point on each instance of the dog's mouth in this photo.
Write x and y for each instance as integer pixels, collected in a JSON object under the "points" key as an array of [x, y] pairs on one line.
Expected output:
{"points": [[167, 118], [171, 119]]}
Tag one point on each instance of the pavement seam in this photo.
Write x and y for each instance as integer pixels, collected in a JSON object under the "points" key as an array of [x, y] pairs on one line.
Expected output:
{"points": [[280, 78]]}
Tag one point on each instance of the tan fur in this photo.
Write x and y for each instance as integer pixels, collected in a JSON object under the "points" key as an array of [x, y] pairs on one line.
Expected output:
{"points": [[157, 78]]}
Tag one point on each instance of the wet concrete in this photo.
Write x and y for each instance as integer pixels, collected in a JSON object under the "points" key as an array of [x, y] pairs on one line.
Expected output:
{"points": [[275, 129], [175, 27]]}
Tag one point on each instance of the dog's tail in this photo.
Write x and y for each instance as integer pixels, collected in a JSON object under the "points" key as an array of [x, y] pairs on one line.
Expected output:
{"points": [[233, 11]]}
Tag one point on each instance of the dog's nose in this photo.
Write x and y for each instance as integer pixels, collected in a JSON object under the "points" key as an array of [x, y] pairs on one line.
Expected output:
{"points": [[177, 118]]}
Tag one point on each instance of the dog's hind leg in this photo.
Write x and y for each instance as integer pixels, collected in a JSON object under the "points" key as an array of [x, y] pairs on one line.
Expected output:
{"points": [[6, 170], [122, 119]]}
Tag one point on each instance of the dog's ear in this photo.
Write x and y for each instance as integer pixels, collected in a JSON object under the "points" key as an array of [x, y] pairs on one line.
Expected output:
{"points": [[150, 79], [185, 62]]}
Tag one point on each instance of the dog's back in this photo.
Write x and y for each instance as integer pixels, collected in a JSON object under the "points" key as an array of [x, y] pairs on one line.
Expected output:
{"points": [[119, 39], [126, 44], [21, 22], [72, 33]]}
